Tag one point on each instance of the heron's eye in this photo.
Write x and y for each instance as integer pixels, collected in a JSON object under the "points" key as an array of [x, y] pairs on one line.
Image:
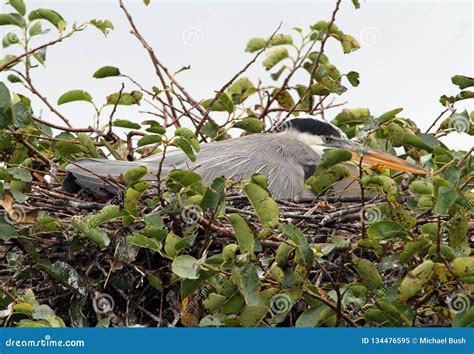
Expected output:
{"points": [[327, 139]]}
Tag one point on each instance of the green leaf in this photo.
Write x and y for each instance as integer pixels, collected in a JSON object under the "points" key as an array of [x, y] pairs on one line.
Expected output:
{"points": [[310, 318], [251, 125], [332, 157], [255, 44], [251, 316], [241, 89], [140, 240], [105, 26], [95, 234], [135, 174], [64, 273], [6, 114], [19, 6], [149, 139], [184, 178], [368, 272], [411, 249], [14, 79], [462, 81], [155, 281], [304, 254], [463, 266], [223, 104], [275, 56], [421, 187], [107, 213], [389, 115], [35, 29], [10, 39], [214, 302], [186, 147], [6, 231], [210, 129], [246, 279], [49, 15], [467, 319], [415, 280], [284, 98], [126, 98], [265, 207], [446, 198], [387, 229], [73, 96], [106, 71], [349, 44], [356, 4], [353, 78], [280, 39], [243, 232], [186, 267], [214, 195], [11, 19], [124, 123], [328, 178], [332, 85]]}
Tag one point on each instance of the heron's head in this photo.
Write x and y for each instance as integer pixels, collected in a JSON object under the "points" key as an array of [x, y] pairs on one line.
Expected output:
{"points": [[322, 135]]}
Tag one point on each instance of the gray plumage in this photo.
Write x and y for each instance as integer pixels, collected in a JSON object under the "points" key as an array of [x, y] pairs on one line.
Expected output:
{"points": [[287, 158], [272, 155]]}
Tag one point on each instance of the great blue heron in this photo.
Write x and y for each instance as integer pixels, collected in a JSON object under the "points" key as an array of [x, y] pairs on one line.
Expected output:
{"points": [[287, 157]]}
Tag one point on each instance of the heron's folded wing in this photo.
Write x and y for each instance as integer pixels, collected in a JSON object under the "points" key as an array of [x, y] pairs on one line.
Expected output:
{"points": [[282, 160]]}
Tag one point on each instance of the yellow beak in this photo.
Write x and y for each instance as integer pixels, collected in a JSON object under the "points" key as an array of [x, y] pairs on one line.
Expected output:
{"points": [[374, 157]]}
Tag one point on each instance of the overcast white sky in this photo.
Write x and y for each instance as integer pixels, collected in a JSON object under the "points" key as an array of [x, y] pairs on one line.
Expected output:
{"points": [[409, 50]]}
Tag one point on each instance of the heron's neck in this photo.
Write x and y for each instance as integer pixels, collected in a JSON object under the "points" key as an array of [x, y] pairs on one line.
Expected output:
{"points": [[313, 141]]}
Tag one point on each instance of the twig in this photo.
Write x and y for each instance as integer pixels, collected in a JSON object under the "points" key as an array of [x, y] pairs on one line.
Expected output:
{"points": [[235, 77]]}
